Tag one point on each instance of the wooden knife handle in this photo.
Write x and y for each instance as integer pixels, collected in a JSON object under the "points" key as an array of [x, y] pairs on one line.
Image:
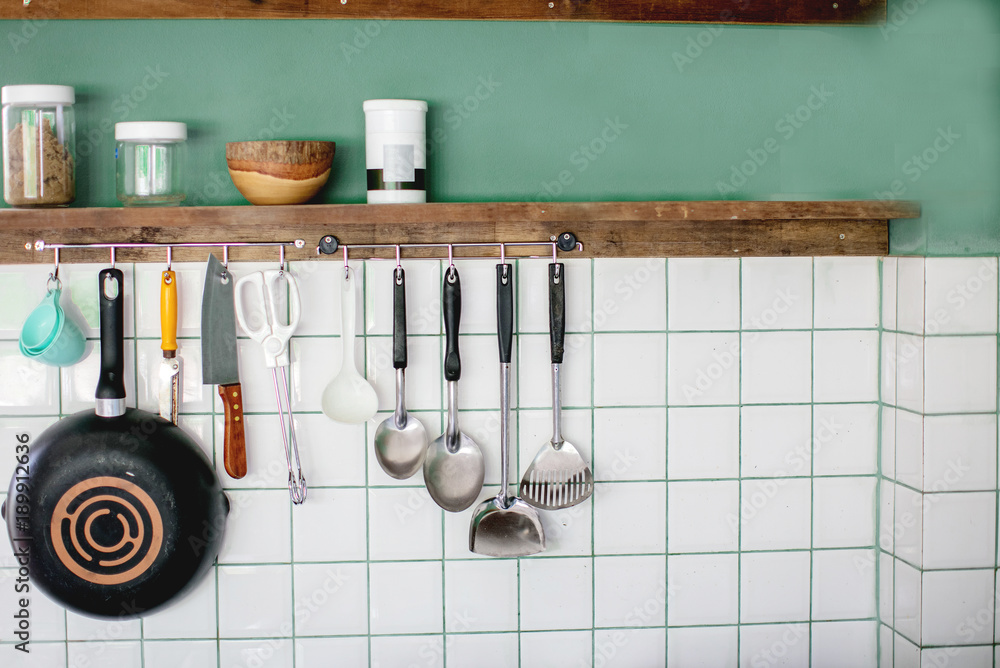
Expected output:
{"points": [[234, 449]]}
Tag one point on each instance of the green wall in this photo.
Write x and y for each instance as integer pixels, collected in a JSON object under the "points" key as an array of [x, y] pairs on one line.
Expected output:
{"points": [[615, 111]]}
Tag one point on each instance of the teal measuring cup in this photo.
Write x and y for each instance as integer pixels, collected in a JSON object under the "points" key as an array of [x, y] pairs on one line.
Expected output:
{"points": [[50, 336]]}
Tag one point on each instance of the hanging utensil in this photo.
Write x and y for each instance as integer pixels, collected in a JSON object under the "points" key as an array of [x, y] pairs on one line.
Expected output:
{"points": [[220, 363], [349, 397], [273, 337], [400, 440], [505, 526], [170, 366], [558, 477], [453, 466]]}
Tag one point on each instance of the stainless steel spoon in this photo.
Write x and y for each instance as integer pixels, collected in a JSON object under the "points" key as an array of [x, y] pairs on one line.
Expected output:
{"points": [[400, 440], [453, 467]]}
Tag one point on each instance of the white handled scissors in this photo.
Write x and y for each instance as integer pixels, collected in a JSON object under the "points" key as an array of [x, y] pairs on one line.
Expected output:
{"points": [[263, 288]]}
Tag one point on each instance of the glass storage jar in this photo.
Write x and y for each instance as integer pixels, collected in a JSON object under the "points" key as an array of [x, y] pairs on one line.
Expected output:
{"points": [[39, 145], [149, 159]]}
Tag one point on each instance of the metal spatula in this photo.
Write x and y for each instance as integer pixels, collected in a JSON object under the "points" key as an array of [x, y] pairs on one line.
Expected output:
{"points": [[558, 477]]}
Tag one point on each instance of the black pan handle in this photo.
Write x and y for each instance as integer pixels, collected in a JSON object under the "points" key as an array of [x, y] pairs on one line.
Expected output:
{"points": [[505, 310], [111, 383], [557, 310], [451, 302], [399, 319]]}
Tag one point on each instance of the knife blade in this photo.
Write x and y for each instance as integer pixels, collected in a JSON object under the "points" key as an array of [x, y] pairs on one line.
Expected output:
{"points": [[170, 365], [220, 362]]}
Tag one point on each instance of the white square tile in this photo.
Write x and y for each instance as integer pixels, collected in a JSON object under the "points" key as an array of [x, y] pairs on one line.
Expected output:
{"points": [[47, 617], [703, 293], [886, 587], [703, 443], [259, 527], [479, 288], [103, 653], [774, 587], [631, 647], [889, 292], [479, 385], [561, 649], [332, 453], [320, 284], [79, 382], [618, 529], [497, 650], [705, 589], [533, 295], [630, 591], [775, 441], [422, 280], [842, 512], [961, 294], [400, 650], [961, 374], [568, 531], [845, 439], [706, 646], [888, 368], [630, 369], [534, 370], [316, 652], [844, 644], [958, 657], [760, 645], [777, 367], [909, 365], [23, 286], [908, 527], [704, 369], [413, 608], [632, 443], [841, 589], [255, 601], [910, 295], [190, 286], [887, 514], [905, 653], [846, 366], [774, 514], [888, 433], [960, 452], [631, 293], [331, 599], [403, 523], [907, 600], [330, 526], [49, 655], [556, 594], [193, 616], [910, 449], [960, 530], [703, 516], [846, 292], [180, 654], [480, 595], [423, 375], [777, 293], [79, 627], [272, 652], [950, 600]]}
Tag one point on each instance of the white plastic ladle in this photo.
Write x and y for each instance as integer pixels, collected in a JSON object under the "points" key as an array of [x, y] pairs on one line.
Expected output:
{"points": [[349, 398]]}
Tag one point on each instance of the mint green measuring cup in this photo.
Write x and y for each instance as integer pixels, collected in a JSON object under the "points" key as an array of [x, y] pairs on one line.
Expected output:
{"points": [[49, 335]]}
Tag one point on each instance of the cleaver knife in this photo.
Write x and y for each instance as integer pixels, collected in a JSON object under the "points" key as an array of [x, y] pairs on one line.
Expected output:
{"points": [[170, 366], [220, 363]]}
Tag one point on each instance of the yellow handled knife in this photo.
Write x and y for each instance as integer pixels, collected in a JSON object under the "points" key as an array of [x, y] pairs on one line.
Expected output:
{"points": [[170, 366]]}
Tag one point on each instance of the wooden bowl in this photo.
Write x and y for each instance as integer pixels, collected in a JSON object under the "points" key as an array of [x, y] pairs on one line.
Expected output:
{"points": [[279, 172]]}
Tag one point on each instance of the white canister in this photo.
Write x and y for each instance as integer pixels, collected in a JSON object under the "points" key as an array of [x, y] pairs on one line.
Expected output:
{"points": [[396, 150]]}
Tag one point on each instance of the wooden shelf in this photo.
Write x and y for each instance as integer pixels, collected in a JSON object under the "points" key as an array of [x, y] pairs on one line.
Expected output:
{"points": [[760, 12], [607, 229]]}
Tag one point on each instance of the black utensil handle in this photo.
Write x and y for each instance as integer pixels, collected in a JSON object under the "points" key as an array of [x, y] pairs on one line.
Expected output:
{"points": [[111, 382], [399, 318], [557, 310], [451, 302], [505, 310]]}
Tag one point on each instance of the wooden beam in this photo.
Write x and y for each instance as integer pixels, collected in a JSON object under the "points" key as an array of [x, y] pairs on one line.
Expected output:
{"points": [[759, 12]]}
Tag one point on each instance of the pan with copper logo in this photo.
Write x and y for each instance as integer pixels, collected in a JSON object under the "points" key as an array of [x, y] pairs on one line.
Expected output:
{"points": [[122, 511]]}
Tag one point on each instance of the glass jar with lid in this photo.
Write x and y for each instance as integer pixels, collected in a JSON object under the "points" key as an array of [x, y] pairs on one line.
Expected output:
{"points": [[149, 157], [39, 145]]}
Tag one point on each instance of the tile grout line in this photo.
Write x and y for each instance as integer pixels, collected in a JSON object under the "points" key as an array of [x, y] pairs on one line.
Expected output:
{"points": [[739, 465], [812, 454], [666, 454]]}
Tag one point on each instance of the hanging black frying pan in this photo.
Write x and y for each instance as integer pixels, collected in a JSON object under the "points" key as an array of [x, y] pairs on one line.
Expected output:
{"points": [[122, 511]]}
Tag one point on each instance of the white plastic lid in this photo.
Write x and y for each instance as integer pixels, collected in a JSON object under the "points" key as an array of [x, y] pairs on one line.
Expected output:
{"points": [[395, 105], [37, 94], [162, 131]]}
